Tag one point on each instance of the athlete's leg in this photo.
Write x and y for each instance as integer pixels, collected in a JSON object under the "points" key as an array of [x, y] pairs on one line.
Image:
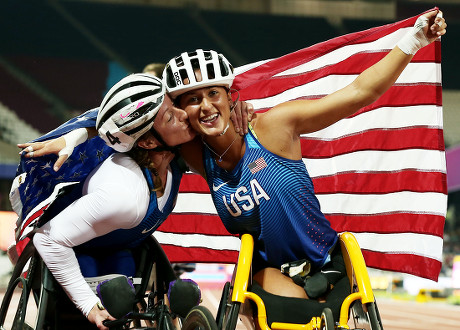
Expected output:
{"points": [[273, 281]]}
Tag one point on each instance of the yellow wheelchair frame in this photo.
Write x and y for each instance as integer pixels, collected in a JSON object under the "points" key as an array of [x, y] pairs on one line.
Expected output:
{"points": [[360, 301]]}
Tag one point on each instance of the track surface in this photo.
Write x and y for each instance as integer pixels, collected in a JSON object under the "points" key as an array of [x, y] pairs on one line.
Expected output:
{"points": [[396, 315]]}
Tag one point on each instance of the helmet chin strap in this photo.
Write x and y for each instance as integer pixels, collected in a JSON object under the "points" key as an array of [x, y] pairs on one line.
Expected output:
{"points": [[225, 129], [164, 146], [232, 107]]}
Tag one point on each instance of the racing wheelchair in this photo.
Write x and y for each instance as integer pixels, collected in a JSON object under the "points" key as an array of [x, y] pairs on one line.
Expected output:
{"points": [[42, 303], [239, 301]]}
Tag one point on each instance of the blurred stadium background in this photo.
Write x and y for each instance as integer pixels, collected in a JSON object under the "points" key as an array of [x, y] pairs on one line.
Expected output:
{"points": [[58, 57]]}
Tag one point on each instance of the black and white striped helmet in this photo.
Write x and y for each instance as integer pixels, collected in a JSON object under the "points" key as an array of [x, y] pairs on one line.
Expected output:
{"points": [[129, 109], [179, 74]]}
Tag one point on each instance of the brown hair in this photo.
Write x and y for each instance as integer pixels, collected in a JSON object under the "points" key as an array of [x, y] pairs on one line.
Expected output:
{"points": [[142, 157]]}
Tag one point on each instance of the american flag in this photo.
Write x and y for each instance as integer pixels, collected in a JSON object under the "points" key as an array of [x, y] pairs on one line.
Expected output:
{"points": [[380, 174], [257, 165]]}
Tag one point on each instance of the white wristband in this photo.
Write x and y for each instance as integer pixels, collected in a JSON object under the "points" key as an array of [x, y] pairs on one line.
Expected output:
{"points": [[73, 139], [415, 38]]}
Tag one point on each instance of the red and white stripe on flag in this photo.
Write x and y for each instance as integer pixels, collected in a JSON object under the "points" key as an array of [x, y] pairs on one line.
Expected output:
{"points": [[380, 174]]}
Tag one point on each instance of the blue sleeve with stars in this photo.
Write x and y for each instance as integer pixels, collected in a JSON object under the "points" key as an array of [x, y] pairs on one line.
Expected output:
{"points": [[87, 119], [40, 179]]}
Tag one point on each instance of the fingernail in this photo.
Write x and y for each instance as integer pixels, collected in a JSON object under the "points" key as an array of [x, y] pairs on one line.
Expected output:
{"points": [[55, 168]]}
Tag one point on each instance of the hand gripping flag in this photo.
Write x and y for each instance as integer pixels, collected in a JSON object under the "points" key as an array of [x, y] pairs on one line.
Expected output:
{"points": [[380, 174]]}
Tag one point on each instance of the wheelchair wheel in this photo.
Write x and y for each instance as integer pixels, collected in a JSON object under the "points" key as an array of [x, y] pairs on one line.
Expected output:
{"points": [[199, 318], [29, 310], [366, 316], [231, 317], [228, 311], [327, 320], [223, 305]]}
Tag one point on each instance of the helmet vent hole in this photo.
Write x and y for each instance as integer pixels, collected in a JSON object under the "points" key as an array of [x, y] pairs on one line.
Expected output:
{"points": [[223, 68], [196, 69], [184, 77], [210, 69], [179, 61], [169, 77], [207, 55]]}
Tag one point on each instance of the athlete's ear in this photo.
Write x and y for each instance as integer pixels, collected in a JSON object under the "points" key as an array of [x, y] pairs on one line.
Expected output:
{"points": [[147, 141], [229, 97]]}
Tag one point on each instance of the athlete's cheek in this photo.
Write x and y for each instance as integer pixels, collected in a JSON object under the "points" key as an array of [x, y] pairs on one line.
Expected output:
{"points": [[192, 113]]}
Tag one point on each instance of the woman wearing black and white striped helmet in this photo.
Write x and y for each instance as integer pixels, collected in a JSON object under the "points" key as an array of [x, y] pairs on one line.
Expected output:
{"points": [[127, 196]]}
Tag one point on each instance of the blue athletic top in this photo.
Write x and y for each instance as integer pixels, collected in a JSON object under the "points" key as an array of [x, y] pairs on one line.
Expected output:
{"points": [[273, 199]]}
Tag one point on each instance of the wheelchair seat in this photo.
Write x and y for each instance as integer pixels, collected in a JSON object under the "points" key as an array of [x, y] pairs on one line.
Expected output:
{"points": [[297, 310]]}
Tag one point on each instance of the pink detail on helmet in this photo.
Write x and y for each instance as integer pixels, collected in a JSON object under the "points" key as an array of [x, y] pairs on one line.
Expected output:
{"points": [[140, 104]]}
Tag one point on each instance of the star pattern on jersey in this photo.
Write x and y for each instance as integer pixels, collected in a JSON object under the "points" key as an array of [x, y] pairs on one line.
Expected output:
{"points": [[41, 179]]}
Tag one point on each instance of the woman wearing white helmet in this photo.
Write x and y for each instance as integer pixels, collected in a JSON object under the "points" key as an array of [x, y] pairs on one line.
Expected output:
{"points": [[124, 199], [261, 185]]}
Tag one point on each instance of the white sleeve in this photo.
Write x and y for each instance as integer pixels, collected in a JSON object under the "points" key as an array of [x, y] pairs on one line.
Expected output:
{"points": [[108, 205]]}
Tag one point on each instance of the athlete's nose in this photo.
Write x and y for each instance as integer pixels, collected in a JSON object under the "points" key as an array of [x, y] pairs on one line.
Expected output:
{"points": [[205, 103], [181, 114]]}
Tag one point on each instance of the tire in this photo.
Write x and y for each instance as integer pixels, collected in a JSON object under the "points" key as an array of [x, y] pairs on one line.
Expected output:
{"points": [[366, 317], [26, 281], [199, 318], [221, 311], [228, 311], [232, 316], [374, 316], [327, 320]]}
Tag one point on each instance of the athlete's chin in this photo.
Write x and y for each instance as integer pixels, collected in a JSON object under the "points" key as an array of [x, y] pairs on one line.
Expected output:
{"points": [[191, 135], [214, 131]]}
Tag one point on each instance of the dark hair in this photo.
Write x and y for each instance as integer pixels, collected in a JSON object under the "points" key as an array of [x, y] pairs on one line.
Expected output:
{"points": [[142, 158]]}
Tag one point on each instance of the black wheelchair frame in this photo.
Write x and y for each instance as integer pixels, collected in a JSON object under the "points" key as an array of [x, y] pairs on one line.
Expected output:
{"points": [[43, 297]]}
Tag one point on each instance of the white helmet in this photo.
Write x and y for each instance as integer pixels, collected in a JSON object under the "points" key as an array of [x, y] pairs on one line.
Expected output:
{"points": [[129, 109], [179, 74]]}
